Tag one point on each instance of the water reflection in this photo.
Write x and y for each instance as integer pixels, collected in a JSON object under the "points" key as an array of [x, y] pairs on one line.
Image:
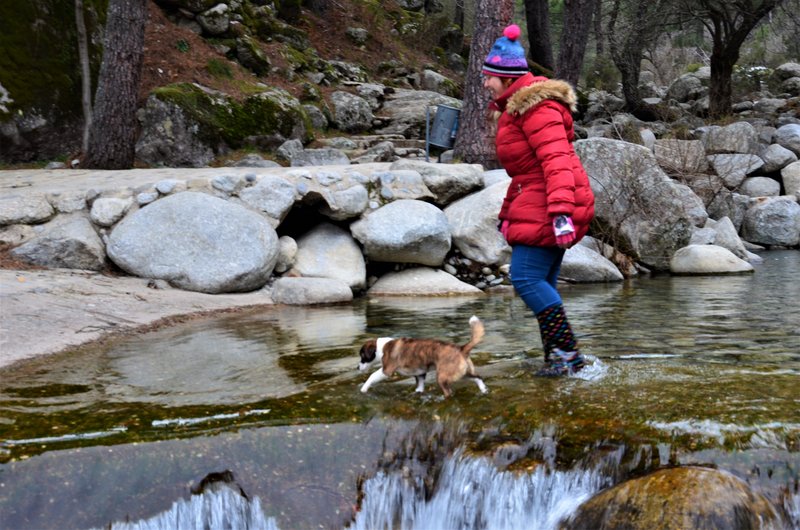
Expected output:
{"points": [[685, 370]]}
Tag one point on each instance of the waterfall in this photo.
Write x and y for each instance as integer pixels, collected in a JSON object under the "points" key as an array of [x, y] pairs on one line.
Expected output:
{"points": [[220, 509], [473, 494], [792, 505]]}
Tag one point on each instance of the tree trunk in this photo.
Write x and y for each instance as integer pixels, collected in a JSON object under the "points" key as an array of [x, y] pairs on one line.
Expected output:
{"points": [[730, 24], [537, 16], [599, 38], [577, 22], [112, 137], [475, 139], [86, 73], [458, 16], [719, 86]]}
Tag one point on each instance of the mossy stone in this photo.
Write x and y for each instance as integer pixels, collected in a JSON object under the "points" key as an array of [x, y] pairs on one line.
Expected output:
{"points": [[270, 111], [675, 499]]}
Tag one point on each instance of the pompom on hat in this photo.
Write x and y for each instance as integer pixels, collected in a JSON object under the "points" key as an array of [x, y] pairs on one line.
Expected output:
{"points": [[507, 56]]}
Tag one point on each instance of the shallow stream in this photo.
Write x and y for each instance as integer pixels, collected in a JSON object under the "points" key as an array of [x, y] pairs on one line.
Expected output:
{"points": [[686, 370]]}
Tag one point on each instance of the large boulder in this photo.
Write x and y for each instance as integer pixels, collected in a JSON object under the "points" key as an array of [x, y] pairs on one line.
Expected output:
{"points": [[773, 221], [328, 251], [683, 497], [405, 231], [351, 113], [584, 265], [30, 208], [707, 259], [405, 111], [473, 224], [421, 281], [69, 241], [196, 242], [448, 182], [638, 207], [186, 125]]}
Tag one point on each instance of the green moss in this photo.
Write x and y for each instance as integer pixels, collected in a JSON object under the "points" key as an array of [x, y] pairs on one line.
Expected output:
{"points": [[266, 112], [39, 62], [219, 69]]}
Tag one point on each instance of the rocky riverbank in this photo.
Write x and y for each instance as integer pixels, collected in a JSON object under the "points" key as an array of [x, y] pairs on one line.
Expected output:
{"points": [[47, 311]]}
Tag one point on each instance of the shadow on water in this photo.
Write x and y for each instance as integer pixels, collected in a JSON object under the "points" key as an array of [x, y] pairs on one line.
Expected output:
{"points": [[685, 371]]}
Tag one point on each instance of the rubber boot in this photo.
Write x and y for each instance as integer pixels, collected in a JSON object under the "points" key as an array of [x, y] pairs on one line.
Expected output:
{"points": [[561, 353]]}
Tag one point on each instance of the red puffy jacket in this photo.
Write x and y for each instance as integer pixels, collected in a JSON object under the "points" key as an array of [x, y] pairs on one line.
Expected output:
{"points": [[534, 144]]}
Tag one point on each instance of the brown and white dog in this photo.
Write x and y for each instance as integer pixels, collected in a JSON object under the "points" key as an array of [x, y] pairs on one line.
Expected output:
{"points": [[417, 357]]}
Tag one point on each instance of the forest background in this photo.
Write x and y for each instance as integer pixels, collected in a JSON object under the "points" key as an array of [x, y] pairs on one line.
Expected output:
{"points": [[84, 67]]}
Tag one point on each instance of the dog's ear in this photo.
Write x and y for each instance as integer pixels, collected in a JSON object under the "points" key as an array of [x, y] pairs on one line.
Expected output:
{"points": [[368, 351]]}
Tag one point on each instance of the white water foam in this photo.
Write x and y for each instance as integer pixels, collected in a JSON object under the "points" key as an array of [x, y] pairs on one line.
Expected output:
{"points": [[65, 437], [792, 505], [473, 494], [221, 509], [203, 419], [649, 356], [764, 434], [594, 370]]}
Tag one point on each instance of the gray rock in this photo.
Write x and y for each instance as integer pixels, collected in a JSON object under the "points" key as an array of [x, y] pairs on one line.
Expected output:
{"points": [[68, 201], [216, 20], [25, 209], [740, 137], [402, 184], [286, 254], [760, 187], [289, 149], [406, 111], [69, 241], [681, 156], [640, 206], [328, 251], [773, 221], [14, 235], [788, 136], [791, 179], [726, 236], [351, 113], [776, 157], [473, 225], [448, 182], [107, 211], [196, 242], [707, 259], [404, 231], [733, 168], [692, 205], [324, 156], [309, 291], [254, 160], [272, 196], [584, 265], [421, 281]]}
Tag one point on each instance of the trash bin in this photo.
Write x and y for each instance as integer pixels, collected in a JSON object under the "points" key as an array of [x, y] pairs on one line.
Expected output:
{"points": [[444, 128]]}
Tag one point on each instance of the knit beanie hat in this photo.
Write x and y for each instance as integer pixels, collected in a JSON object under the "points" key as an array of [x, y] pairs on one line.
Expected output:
{"points": [[507, 56]]}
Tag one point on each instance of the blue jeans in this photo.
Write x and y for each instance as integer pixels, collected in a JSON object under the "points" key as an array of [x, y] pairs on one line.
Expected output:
{"points": [[534, 274]]}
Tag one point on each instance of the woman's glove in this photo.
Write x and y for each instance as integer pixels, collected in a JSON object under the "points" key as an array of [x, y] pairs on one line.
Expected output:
{"points": [[564, 230], [503, 227]]}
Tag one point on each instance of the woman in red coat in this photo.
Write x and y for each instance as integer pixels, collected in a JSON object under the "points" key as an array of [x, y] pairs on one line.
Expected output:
{"points": [[549, 203]]}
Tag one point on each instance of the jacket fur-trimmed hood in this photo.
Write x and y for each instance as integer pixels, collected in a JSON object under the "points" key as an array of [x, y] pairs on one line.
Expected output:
{"points": [[531, 95]]}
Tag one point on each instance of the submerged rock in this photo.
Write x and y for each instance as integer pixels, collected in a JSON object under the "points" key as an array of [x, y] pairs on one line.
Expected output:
{"points": [[677, 498]]}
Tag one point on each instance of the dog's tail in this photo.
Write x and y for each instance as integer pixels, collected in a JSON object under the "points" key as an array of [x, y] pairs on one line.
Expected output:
{"points": [[477, 335]]}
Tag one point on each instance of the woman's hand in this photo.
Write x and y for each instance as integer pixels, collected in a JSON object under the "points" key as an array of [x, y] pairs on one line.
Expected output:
{"points": [[564, 231]]}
